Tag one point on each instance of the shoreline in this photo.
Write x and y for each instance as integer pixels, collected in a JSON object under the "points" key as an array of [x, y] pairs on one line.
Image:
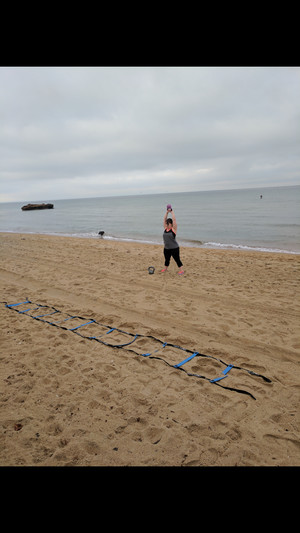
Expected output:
{"points": [[184, 243], [71, 401]]}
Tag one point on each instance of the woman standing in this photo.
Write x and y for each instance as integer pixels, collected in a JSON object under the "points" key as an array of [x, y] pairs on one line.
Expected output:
{"points": [[171, 247]]}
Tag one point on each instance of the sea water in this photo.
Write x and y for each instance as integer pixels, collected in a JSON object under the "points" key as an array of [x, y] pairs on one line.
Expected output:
{"points": [[264, 219]]}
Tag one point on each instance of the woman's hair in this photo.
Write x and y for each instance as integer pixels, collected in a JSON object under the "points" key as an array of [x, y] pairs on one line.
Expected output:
{"points": [[169, 221]]}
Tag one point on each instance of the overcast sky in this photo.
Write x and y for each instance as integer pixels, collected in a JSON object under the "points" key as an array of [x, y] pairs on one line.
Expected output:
{"points": [[75, 132]]}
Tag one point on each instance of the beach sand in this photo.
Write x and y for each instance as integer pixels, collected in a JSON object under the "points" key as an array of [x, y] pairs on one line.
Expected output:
{"points": [[66, 400]]}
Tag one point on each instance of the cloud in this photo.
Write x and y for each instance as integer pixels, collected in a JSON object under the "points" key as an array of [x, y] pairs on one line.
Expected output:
{"points": [[80, 132]]}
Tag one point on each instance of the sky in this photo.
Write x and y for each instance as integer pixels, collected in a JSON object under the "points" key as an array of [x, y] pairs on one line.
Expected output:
{"points": [[81, 132]]}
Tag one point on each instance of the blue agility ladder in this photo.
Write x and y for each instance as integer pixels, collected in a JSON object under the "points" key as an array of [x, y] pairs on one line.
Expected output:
{"points": [[52, 316]]}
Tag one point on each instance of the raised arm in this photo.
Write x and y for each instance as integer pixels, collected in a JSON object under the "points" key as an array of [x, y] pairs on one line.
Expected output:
{"points": [[165, 219], [167, 215], [174, 222]]}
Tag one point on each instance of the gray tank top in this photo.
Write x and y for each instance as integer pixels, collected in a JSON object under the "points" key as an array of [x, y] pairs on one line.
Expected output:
{"points": [[170, 240]]}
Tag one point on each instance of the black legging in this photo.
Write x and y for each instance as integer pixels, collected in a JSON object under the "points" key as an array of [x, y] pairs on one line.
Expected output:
{"points": [[174, 252]]}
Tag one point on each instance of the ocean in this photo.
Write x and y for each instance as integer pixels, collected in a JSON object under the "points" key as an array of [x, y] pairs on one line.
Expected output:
{"points": [[264, 219]]}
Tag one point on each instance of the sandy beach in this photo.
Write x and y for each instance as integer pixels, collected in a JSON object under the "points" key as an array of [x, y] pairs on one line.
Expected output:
{"points": [[71, 401]]}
